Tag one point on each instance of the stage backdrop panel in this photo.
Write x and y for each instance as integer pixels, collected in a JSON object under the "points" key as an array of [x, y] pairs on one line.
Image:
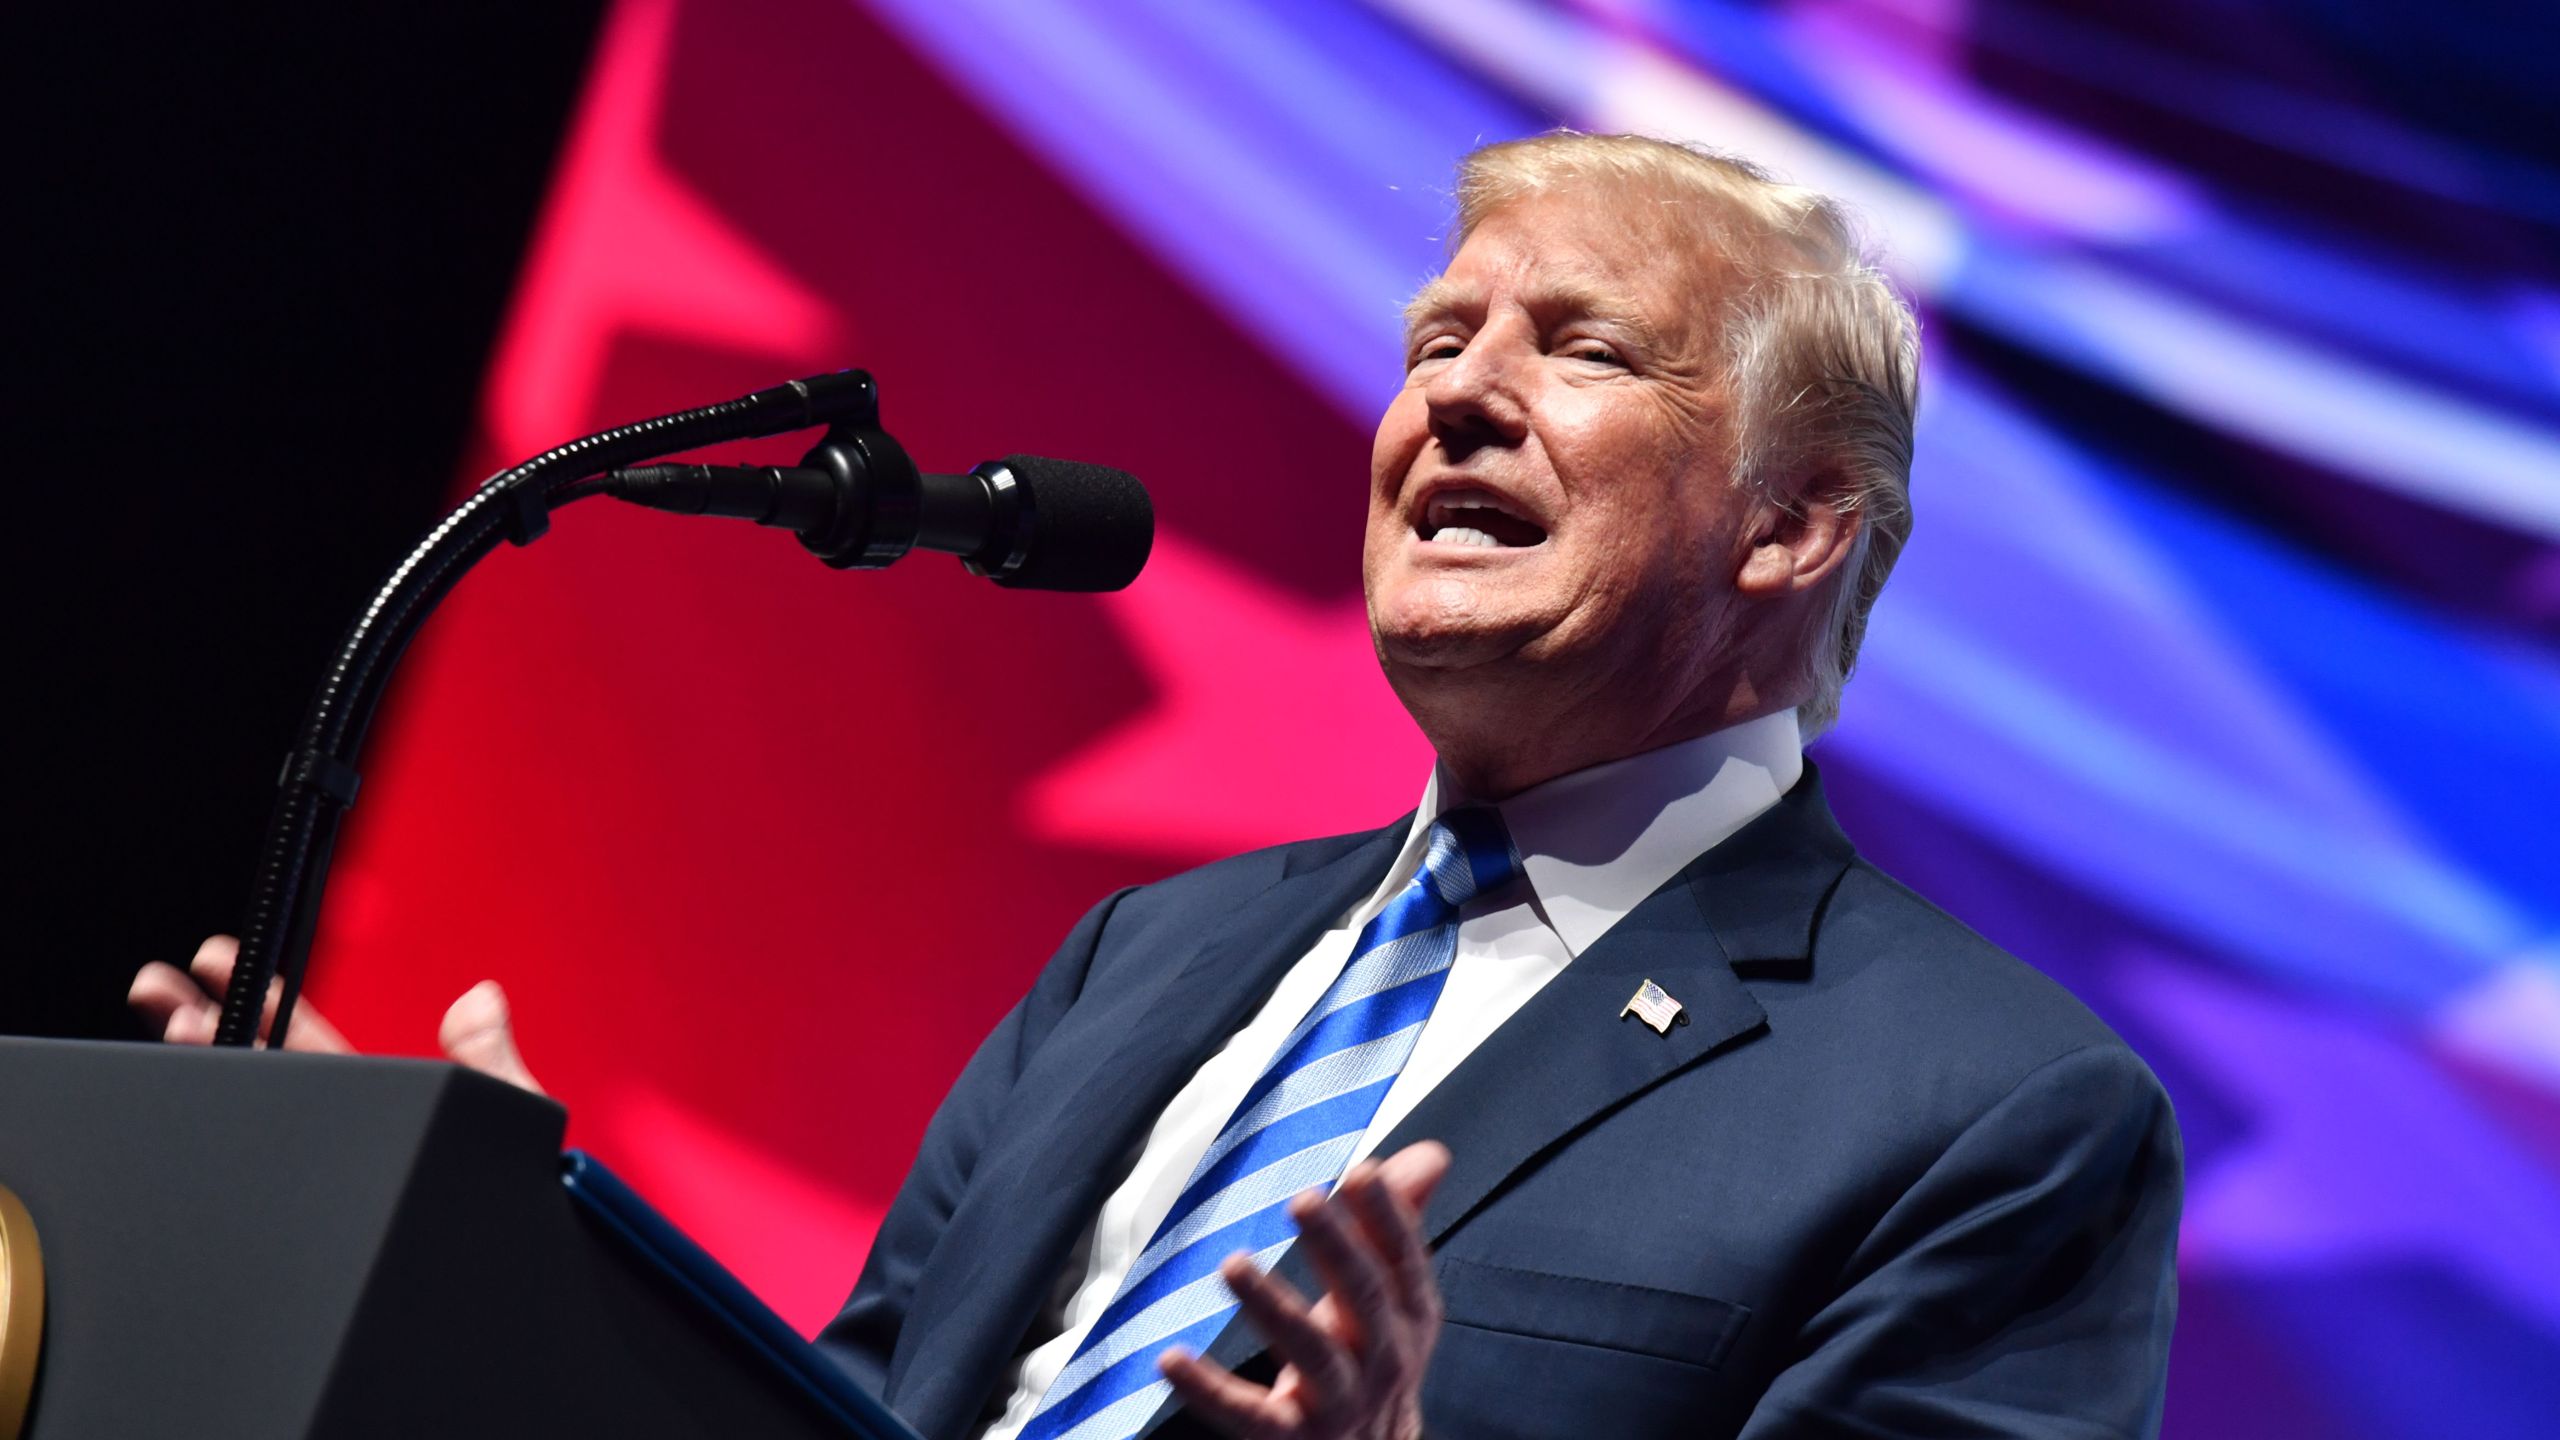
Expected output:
{"points": [[2221, 679]]}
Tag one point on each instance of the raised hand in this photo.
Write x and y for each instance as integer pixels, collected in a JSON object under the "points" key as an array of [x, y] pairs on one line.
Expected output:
{"points": [[1353, 1362], [187, 1006]]}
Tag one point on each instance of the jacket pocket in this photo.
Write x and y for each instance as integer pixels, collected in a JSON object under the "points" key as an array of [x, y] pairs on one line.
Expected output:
{"points": [[1665, 1324]]}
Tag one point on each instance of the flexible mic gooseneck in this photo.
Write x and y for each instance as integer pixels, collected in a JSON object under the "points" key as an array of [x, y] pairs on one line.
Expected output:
{"points": [[856, 501]]}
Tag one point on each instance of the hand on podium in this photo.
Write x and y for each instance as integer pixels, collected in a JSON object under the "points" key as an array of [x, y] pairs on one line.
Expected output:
{"points": [[478, 1032]]}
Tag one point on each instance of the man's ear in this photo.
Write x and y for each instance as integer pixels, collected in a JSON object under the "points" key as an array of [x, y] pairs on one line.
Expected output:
{"points": [[1796, 549]]}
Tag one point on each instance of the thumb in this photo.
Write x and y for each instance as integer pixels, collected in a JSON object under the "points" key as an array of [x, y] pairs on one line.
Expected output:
{"points": [[479, 1033]]}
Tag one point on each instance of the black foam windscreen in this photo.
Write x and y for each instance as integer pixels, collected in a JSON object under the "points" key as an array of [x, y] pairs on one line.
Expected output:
{"points": [[1091, 526]]}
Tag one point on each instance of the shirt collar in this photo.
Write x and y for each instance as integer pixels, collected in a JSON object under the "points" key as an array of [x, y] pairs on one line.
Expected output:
{"points": [[1596, 842]]}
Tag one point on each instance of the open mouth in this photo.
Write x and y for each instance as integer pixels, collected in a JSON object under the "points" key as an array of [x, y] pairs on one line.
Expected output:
{"points": [[1479, 518]]}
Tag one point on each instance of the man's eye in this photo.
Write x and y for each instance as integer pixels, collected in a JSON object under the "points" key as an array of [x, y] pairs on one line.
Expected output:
{"points": [[1438, 350], [1596, 353]]}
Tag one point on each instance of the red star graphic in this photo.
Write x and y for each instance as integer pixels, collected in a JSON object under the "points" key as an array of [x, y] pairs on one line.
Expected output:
{"points": [[1270, 722], [625, 246]]}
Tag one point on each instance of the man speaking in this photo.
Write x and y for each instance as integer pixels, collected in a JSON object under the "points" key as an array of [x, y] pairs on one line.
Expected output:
{"points": [[1610, 1093]]}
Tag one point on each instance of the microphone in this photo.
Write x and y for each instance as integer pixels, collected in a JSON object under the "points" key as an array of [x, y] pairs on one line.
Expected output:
{"points": [[858, 503]]}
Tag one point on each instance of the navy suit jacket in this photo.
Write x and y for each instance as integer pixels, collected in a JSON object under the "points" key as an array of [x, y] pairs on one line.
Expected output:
{"points": [[1886, 1181]]}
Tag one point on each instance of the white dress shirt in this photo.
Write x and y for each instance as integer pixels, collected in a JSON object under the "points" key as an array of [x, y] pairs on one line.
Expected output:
{"points": [[1592, 844]]}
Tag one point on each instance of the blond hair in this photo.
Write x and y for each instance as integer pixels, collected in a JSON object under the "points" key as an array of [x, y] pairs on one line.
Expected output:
{"points": [[1822, 352]]}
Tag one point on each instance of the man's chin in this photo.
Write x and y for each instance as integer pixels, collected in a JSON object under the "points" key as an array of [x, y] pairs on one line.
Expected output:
{"points": [[1446, 651], [1452, 622]]}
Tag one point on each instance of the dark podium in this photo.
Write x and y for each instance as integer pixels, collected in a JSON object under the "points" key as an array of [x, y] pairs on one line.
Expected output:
{"points": [[241, 1243]]}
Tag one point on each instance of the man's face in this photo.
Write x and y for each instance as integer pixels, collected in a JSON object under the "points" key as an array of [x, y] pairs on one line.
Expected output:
{"points": [[1549, 493]]}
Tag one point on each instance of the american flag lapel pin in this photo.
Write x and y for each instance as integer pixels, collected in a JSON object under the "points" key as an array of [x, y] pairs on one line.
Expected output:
{"points": [[1654, 1006]]}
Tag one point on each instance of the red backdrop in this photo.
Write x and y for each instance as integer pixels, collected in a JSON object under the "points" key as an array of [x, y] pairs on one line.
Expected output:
{"points": [[760, 850]]}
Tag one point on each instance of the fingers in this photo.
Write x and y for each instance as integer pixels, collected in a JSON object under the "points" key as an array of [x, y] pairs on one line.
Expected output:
{"points": [[212, 964], [310, 1031], [1389, 1201], [479, 1032], [1354, 1363], [186, 1004], [214, 961], [168, 1000], [1325, 1373], [1413, 1173], [1214, 1394], [1369, 1309]]}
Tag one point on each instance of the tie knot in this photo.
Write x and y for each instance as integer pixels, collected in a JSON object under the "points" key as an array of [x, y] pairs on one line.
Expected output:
{"points": [[1469, 854]]}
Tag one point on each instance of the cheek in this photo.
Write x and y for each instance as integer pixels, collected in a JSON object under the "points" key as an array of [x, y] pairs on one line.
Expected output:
{"points": [[1611, 452], [1401, 433], [1643, 549]]}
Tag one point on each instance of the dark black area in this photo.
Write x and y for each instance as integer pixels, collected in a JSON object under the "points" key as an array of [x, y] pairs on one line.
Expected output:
{"points": [[258, 265], [420, 1233]]}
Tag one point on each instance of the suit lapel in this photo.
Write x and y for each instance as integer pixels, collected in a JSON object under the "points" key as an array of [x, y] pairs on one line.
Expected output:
{"points": [[1567, 1057], [1044, 1174]]}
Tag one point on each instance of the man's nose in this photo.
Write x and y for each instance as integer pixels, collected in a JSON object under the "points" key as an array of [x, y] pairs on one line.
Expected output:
{"points": [[1477, 398]]}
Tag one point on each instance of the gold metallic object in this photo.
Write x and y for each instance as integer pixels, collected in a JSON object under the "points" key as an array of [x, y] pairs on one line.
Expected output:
{"points": [[21, 1312], [1653, 1005]]}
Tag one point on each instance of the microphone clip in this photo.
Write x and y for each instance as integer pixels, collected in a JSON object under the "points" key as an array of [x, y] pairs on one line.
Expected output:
{"points": [[879, 494]]}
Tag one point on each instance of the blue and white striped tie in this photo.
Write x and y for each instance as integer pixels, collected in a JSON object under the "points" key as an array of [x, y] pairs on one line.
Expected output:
{"points": [[1295, 1129]]}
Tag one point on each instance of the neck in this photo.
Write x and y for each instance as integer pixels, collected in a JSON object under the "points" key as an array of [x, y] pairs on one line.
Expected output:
{"points": [[1496, 746]]}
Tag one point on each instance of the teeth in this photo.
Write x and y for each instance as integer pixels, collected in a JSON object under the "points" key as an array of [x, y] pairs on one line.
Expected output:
{"points": [[1444, 507], [1462, 535]]}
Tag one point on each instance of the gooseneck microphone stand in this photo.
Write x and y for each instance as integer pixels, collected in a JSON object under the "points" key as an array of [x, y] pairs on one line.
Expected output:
{"points": [[319, 778]]}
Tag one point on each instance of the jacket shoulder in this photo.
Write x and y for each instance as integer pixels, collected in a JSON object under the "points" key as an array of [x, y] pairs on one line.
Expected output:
{"points": [[1917, 989]]}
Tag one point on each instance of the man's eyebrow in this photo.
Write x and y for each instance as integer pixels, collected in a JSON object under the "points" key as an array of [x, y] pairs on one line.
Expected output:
{"points": [[1561, 296], [1442, 296], [1567, 296]]}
